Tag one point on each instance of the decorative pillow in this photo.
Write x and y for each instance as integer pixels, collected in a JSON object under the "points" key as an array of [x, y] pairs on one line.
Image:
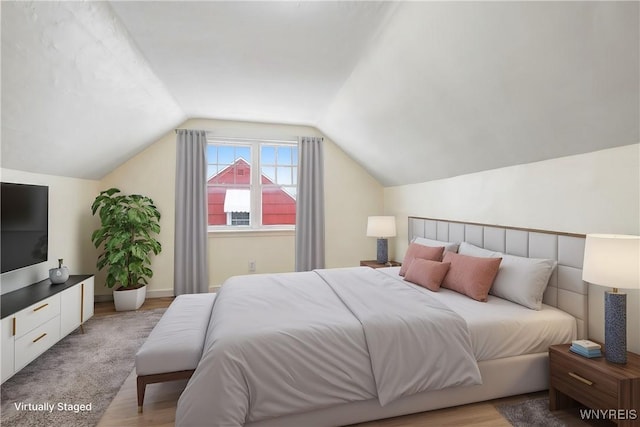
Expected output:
{"points": [[427, 273], [420, 251], [448, 246], [523, 280], [471, 276], [520, 280]]}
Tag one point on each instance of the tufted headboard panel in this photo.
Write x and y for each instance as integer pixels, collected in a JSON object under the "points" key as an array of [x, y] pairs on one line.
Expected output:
{"points": [[565, 290]]}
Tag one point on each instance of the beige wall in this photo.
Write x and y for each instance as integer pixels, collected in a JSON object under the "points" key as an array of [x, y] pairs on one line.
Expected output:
{"points": [[351, 195], [597, 192], [70, 227]]}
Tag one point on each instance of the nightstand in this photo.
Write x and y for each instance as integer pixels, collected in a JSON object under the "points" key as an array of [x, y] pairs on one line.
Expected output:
{"points": [[595, 383], [376, 264]]}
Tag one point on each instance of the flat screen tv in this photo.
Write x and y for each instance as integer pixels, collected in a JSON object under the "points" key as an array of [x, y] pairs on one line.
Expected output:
{"points": [[24, 225]]}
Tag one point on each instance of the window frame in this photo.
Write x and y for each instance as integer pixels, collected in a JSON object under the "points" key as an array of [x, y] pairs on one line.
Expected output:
{"points": [[255, 186]]}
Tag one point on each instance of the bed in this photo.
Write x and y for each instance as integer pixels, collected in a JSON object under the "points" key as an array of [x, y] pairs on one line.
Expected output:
{"points": [[340, 346]]}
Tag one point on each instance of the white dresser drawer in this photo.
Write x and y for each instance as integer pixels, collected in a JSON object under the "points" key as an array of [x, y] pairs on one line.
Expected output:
{"points": [[7, 348], [37, 314], [34, 343]]}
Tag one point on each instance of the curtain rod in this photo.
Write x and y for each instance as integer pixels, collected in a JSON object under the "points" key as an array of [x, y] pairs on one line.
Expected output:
{"points": [[288, 139]]}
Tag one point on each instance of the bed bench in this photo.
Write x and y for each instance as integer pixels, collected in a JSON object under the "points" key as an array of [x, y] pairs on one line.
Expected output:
{"points": [[174, 346]]}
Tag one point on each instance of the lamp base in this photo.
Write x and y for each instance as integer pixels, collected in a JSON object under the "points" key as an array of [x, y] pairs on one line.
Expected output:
{"points": [[615, 327], [383, 253]]}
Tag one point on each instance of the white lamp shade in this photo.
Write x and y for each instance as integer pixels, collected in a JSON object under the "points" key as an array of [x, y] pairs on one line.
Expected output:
{"points": [[381, 226], [612, 260]]}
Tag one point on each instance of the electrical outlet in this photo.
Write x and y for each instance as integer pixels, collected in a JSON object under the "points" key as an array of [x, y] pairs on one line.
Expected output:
{"points": [[252, 266]]}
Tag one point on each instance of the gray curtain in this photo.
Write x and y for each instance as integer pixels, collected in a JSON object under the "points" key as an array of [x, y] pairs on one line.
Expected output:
{"points": [[191, 272], [310, 205]]}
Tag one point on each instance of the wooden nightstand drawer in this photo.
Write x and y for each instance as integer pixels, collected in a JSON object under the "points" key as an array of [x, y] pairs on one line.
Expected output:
{"points": [[587, 386], [596, 383]]}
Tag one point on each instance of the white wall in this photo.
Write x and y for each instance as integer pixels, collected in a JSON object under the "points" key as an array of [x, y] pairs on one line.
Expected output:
{"points": [[597, 192], [351, 195], [70, 227]]}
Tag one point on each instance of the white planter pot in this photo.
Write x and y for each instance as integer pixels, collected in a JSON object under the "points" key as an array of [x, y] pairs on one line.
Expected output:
{"points": [[130, 299]]}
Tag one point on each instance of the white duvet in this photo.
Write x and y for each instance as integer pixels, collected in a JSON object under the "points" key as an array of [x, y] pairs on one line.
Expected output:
{"points": [[279, 344]]}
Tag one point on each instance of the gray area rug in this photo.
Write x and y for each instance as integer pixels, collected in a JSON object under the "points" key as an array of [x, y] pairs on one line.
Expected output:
{"points": [[530, 413], [82, 369]]}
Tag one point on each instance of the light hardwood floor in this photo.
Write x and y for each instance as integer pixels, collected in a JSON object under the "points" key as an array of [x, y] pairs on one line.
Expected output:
{"points": [[161, 399]]}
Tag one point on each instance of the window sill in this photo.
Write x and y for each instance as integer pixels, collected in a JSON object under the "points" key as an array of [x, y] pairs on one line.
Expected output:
{"points": [[253, 232]]}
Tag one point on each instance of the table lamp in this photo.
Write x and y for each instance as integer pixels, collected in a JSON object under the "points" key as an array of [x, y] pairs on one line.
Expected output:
{"points": [[614, 261], [381, 227]]}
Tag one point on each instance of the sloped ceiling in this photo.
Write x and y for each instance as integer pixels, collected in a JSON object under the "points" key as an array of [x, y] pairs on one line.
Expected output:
{"points": [[413, 91], [452, 87], [78, 98]]}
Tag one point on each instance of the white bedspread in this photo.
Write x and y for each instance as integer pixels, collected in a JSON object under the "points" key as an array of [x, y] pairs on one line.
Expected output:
{"points": [[500, 328], [293, 342]]}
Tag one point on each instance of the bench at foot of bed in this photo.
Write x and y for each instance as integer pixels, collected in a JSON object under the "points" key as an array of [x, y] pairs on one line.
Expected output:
{"points": [[174, 347]]}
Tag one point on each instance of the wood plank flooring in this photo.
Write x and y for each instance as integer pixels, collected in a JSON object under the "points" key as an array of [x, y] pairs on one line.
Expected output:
{"points": [[161, 399]]}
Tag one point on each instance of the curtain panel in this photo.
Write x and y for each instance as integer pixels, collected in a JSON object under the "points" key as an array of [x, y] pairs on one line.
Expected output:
{"points": [[310, 205], [191, 273]]}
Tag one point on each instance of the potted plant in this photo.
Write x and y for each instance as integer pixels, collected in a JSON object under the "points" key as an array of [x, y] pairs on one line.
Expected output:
{"points": [[128, 224]]}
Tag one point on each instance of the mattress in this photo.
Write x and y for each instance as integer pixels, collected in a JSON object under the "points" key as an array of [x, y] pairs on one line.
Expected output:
{"points": [[500, 328]]}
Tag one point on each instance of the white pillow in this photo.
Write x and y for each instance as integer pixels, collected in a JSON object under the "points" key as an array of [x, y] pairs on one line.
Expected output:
{"points": [[448, 246], [472, 250], [523, 280], [520, 280]]}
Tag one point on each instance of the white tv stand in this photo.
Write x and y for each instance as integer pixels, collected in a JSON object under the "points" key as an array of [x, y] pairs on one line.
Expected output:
{"points": [[36, 317]]}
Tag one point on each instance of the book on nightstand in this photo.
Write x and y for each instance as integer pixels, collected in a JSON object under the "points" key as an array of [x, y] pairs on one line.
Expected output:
{"points": [[586, 344], [586, 348]]}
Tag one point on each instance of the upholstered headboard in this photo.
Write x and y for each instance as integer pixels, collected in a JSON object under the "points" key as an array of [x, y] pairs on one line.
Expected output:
{"points": [[565, 290]]}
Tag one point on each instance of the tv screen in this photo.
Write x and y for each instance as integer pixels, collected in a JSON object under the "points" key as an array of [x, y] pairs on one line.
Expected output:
{"points": [[24, 225]]}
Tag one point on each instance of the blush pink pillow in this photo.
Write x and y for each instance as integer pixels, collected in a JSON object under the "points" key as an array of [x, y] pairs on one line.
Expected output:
{"points": [[427, 273], [469, 275], [420, 251]]}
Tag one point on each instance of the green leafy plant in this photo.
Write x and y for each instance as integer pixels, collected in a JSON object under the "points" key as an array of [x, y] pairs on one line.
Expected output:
{"points": [[126, 234]]}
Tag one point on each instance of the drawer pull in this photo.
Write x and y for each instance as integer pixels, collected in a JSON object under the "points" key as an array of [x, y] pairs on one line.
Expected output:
{"points": [[40, 337], [581, 379], [14, 326], [41, 307]]}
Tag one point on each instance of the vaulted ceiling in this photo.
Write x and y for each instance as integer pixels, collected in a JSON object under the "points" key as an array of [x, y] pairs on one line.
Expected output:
{"points": [[413, 91]]}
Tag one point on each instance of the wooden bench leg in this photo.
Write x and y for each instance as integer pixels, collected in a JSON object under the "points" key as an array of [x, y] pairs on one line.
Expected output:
{"points": [[142, 385], [143, 380]]}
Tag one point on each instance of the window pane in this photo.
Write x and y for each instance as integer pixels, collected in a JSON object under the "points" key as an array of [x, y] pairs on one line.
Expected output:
{"points": [[269, 172], [294, 156], [225, 154], [243, 153], [278, 206], [294, 172], [211, 171], [284, 155], [268, 155], [215, 205], [242, 172], [284, 176]]}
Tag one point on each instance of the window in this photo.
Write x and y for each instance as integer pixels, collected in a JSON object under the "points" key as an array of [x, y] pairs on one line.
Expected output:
{"points": [[239, 198]]}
